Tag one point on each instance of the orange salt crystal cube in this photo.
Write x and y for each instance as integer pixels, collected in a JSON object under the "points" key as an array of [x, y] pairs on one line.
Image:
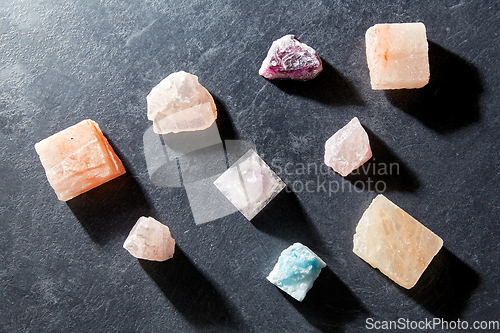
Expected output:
{"points": [[78, 159], [397, 56]]}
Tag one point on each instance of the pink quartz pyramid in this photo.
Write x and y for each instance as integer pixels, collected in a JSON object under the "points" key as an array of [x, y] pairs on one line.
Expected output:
{"points": [[348, 148], [290, 59], [397, 56]]}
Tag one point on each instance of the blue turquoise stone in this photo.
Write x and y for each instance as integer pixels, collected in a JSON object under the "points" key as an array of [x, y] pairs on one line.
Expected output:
{"points": [[296, 270]]}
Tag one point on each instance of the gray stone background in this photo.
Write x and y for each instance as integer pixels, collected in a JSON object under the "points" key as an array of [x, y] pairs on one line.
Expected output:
{"points": [[62, 265]]}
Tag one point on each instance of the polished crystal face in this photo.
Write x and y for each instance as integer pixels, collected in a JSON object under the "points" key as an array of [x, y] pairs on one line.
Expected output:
{"points": [[249, 184]]}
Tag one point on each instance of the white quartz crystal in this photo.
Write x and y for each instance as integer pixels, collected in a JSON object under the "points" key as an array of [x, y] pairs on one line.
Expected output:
{"points": [[150, 240], [179, 103], [249, 184]]}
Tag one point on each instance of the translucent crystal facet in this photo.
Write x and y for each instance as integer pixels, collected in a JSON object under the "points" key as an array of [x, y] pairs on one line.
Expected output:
{"points": [[78, 159], [249, 184], [348, 148], [150, 240], [397, 56], [391, 240], [288, 58], [179, 103], [296, 270]]}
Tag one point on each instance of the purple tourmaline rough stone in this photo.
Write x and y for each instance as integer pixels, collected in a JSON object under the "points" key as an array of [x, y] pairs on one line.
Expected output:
{"points": [[289, 59]]}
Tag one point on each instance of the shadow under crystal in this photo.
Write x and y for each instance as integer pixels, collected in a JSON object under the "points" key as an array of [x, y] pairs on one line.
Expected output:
{"points": [[446, 286], [450, 100], [330, 304], [329, 87], [384, 172], [224, 121], [111, 209], [190, 292], [285, 218]]}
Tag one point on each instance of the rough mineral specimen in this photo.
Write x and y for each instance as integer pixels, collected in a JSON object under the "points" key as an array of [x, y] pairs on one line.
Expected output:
{"points": [[150, 240], [179, 103], [78, 159], [296, 270], [249, 184], [288, 58], [391, 240], [397, 56], [348, 148]]}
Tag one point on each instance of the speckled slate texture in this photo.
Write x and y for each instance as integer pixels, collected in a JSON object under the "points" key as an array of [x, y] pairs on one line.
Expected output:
{"points": [[62, 265]]}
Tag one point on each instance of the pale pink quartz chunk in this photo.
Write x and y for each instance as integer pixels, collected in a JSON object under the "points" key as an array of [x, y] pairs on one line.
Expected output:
{"points": [[391, 240], [150, 240], [290, 59], [179, 103], [348, 148], [397, 56], [249, 184], [78, 159]]}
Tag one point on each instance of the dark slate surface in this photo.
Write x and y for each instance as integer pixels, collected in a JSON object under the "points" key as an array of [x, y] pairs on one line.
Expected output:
{"points": [[63, 267]]}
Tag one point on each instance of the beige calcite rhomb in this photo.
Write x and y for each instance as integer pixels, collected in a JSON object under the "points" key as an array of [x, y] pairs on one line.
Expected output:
{"points": [[391, 240], [179, 104], [397, 56]]}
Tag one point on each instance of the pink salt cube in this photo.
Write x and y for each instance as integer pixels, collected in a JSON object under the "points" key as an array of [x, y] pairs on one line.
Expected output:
{"points": [[348, 148], [78, 159], [397, 56]]}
